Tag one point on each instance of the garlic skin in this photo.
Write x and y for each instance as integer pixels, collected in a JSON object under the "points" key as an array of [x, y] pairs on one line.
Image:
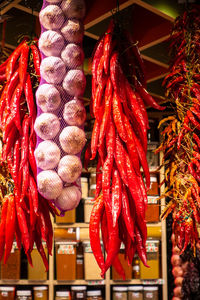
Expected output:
{"points": [[72, 139], [69, 198], [69, 168], [48, 97], [73, 31], [49, 184], [51, 43], [51, 17], [47, 155], [74, 82], [74, 112], [52, 69], [47, 126], [73, 8], [72, 56]]}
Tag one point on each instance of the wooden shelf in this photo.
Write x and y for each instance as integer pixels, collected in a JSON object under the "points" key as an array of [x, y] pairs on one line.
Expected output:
{"points": [[79, 282], [138, 282], [24, 282]]}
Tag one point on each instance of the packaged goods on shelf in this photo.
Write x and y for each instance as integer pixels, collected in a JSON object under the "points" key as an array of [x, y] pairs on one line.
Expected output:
{"points": [[79, 292], [23, 295], [79, 266], [68, 233], [66, 260], [152, 158], [135, 292], [92, 178], [127, 268], [152, 248], [153, 211], [92, 190], [153, 133], [91, 268], [11, 270], [88, 204], [7, 292], [40, 292], [153, 190], [136, 267], [63, 295], [94, 295], [84, 187], [68, 218], [38, 271], [120, 293], [151, 292]]}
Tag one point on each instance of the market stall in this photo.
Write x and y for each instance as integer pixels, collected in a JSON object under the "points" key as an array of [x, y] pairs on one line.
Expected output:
{"points": [[99, 150]]}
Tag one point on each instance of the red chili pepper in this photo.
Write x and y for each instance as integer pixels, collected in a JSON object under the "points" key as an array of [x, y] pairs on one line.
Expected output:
{"points": [[127, 217], [34, 194], [197, 139], [16, 162], [98, 178], [28, 91], [3, 225], [9, 143], [118, 117], [32, 162], [49, 228], [98, 99], [21, 216], [96, 58], [25, 141], [120, 160], [25, 180], [36, 60], [40, 248], [3, 104], [23, 63], [10, 226], [193, 120], [95, 139], [87, 155], [95, 218], [147, 97], [14, 80], [108, 46], [116, 197], [141, 250], [13, 60], [107, 111], [15, 108]]}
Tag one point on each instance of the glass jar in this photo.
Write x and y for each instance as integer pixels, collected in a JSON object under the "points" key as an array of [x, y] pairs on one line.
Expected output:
{"points": [[7, 292], [136, 268], [78, 292], [24, 295], [151, 293], [40, 292], [120, 293], [94, 295], [63, 295], [135, 292], [79, 266]]}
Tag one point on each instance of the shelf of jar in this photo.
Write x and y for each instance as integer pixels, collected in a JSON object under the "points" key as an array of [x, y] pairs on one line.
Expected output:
{"points": [[23, 282], [158, 281], [79, 282], [86, 225]]}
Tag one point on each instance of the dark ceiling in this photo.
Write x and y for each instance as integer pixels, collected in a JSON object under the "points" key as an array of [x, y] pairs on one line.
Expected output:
{"points": [[150, 22]]}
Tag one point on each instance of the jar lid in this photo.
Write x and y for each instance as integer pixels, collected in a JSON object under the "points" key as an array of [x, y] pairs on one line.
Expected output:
{"points": [[78, 233], [7, 288], [66, 243], [120, 288], [153, 178], [135, 288], [94, 293], [150, 288], [84, 179], [40, 288], [93, 174], [78, 288], [62, 293], [23, 293], [93, 186], [79, 256]]}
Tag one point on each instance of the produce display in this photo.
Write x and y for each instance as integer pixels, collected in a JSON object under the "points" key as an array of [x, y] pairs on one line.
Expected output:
{"points": [[25, 214], [119, 139], [60, 110], [180, 135]]}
